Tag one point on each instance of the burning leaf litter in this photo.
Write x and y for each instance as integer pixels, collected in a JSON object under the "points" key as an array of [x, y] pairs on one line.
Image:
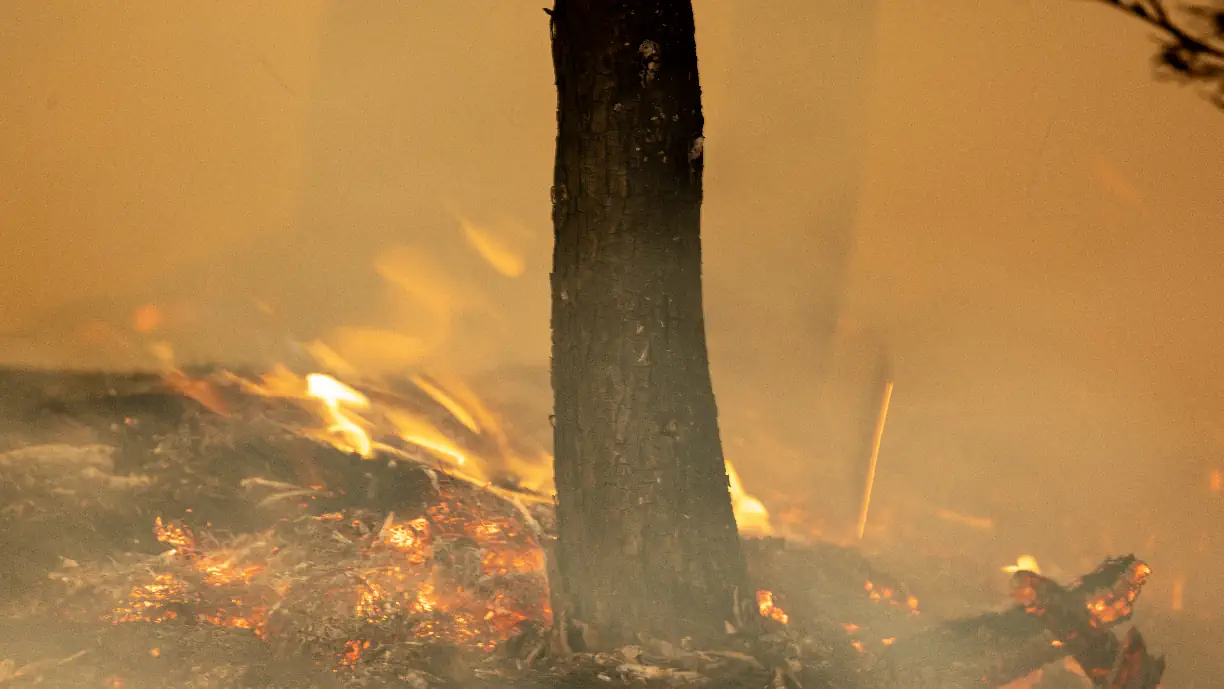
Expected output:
{"points": [[442, 586]]}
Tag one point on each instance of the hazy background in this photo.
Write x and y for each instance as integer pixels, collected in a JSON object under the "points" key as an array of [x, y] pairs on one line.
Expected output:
{"points": [[998, 200]]}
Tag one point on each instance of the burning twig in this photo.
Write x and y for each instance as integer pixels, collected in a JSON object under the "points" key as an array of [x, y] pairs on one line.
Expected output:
{"points": [[877, 436]]}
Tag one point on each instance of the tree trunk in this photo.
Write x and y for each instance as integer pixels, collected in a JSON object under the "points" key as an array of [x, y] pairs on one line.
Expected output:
{"points": [[647, 541]]}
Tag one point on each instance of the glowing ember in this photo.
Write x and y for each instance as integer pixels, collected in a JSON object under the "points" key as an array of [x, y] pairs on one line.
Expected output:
{"points": [[352, 652], [765, 603], [175, 535], [457, 573], [1111, 605], [889, 595]]}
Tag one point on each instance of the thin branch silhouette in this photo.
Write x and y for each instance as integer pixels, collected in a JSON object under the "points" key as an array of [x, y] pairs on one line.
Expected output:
{"points": [[1192, 40]]}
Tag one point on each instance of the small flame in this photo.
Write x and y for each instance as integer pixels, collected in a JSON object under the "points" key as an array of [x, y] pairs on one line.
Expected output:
{"points": [[1024, 563], [750, 513], [1215, 481], [765, 603], [351, 654], [333, 394]]}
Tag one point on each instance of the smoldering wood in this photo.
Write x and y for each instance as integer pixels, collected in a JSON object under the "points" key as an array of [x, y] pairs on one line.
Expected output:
{"points": [[1050, 622]]}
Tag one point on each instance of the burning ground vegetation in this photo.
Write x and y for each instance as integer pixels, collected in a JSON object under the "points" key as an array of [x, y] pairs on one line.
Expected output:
{"points": [[222, 530]]}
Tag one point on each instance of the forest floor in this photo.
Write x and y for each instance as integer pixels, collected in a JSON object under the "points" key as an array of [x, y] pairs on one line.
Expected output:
{"points": [[150, 541]]}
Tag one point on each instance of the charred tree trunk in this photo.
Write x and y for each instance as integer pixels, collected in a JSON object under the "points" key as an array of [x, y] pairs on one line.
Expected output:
{"points": [[647, 541]]}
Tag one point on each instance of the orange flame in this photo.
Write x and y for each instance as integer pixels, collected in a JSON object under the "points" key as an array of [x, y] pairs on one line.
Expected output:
{"points": [[767, 607]]}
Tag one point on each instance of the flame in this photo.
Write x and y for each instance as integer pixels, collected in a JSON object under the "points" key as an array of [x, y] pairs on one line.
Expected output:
{"points": [[886, 594], [1215, 481], [353, 422], [767, 607], [334, 395], [351, 654], [750, 513], [398, 576], [1024, 563]]}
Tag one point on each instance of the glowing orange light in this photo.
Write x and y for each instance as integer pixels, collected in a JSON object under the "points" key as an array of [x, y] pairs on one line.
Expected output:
{"points": [[765, 602], [1024, 563], [146, 319]]}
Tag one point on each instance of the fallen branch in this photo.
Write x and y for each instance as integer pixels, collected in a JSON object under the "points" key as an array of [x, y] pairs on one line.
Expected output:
{"points": [[1184, 52], [1049, 622]]}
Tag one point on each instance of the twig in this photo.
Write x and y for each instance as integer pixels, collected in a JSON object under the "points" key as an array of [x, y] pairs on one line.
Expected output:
{"points": [[1194, 57], [875, 457]]}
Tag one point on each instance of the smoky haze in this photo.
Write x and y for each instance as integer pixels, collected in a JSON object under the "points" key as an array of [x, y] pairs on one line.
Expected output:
{"points": [[998, 202]]}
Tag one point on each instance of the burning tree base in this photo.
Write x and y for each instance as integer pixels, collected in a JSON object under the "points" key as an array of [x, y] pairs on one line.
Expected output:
{"points": [[215, 542]]}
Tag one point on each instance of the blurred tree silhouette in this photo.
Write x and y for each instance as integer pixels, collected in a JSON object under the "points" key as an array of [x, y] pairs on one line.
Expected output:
{"points": [[1191, 41]]}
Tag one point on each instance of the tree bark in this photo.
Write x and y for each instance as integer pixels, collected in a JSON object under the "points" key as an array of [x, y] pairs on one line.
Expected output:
{"points": [[647, 541]]}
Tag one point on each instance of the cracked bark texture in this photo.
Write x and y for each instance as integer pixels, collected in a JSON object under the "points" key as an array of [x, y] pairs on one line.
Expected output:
{"points": [[647, 541]]}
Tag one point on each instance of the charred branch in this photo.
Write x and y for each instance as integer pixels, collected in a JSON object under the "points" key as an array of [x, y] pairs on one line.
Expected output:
{"points": [[1048, 623], [1191, 49]]}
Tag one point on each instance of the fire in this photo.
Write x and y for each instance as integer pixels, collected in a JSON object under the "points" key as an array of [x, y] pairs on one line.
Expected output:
{"points": [[767, 607], [352, 652], [1024, 563], [438, 423], [354, 422], [889, 595], [334, 395], [1110, 605], [750, 513], [456, 572], [1215, 481]]}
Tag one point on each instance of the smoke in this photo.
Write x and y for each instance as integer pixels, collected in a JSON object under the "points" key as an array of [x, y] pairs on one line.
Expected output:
{"points": [[999, 201]]}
